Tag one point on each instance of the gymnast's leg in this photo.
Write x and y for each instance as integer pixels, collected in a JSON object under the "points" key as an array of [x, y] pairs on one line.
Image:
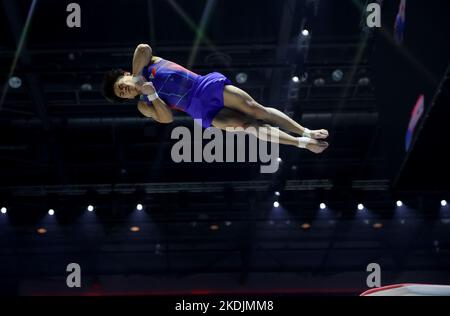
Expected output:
{"points": [[237, 99], [227, 118]]}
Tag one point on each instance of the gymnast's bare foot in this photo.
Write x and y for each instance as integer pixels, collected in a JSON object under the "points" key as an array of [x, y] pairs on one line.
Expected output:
{"points": [[319, 134], [316, 146]]}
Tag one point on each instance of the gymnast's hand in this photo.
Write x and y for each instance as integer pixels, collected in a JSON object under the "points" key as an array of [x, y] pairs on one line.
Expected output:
{"points": [[147, 88], [139, 80]]}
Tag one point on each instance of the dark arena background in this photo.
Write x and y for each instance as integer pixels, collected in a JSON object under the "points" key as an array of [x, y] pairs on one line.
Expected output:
{"points": [[93, 183]]}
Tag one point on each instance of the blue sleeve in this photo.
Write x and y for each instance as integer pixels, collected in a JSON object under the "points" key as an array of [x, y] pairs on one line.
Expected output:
{"points": [[144, 71]]}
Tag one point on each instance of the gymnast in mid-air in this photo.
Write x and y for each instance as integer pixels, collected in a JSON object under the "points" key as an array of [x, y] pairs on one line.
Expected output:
{"points": [[162, 86]]}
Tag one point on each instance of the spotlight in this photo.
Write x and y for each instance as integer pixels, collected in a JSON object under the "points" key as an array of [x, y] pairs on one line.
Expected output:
{"points": [[3, 210], [319, 82], [90, 208], [295, 79], [86, 87], [443, 202], [139, 207], [277, 193], [134, 229], [377, 225], [399, 203], [337, 75], [322, 206], [305, 32], [51, 212], [276, 204], [15, 82], [360, 206], [241, 77], [41, 231], [214, 227], [364, 81], [306, 226]]}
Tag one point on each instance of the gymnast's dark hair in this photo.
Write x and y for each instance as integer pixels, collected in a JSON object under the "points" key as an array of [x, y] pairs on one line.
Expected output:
{"points": [[109, 80]]}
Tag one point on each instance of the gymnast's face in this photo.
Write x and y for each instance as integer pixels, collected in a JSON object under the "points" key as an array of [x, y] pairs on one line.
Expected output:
{"points": [[125, 87]]}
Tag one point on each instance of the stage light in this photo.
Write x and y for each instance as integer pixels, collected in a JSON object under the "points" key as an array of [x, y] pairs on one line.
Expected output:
{"points": [[214, 227], [306, 226], [319, 82], [227, 223], [51, 212], [337, 75], [139, 207], [295, 79], [279, 159], [364, 81], [443, 203], [399, 203], [322, 206], [303, 41], [241, 77], [4, 210], [90, 208], [86, 87], [277, 193], [378, 225], [41, 230], [360, 206], [15, 82], [134, 229], [276, 204]]}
